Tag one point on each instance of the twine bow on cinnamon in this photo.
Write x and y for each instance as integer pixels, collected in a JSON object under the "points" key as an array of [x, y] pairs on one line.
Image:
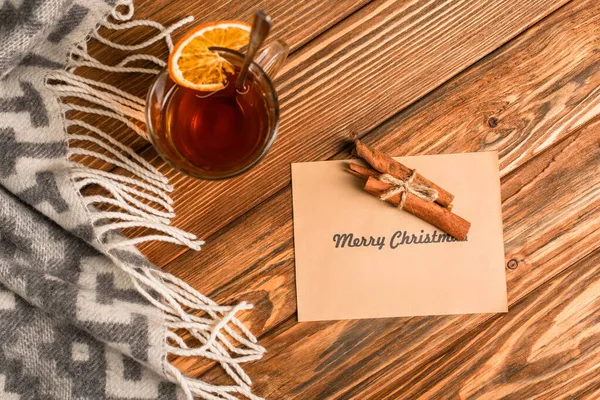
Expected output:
{"points": [[391, 181], [408, 186]]}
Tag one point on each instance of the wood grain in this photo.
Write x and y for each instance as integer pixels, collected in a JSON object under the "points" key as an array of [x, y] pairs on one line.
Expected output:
{"points": [[295, 22], [541, 241], [519, 100], [356, 75], [322, 359], [535, 100], [548, 346], [543, 237]]}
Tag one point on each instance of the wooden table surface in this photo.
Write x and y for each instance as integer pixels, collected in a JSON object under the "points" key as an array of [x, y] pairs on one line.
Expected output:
{"points": [[414, 77]]}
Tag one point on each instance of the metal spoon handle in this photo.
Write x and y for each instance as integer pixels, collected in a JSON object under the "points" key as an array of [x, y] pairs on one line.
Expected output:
{"points": [[261, 24]]}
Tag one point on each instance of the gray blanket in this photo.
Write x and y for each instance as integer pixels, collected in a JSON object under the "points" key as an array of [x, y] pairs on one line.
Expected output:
{"points": [[71, 325], [82, 314]]}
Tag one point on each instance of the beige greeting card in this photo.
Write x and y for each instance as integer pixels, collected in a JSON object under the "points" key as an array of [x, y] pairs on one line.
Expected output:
{"points": [[360, 257]]}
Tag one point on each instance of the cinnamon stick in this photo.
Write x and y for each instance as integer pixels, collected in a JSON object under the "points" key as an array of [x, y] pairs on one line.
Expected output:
{"points": [[361, 171], [387, 165], [365, 172], [429, 211], [436, 215]]}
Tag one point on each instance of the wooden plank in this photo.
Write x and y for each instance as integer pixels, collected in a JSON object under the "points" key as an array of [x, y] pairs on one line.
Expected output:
{"points": [[218, 252], [358, 74], [239, 248], [548, 346], [551, 222], [295, 22], [591, 391], [516, 101]]}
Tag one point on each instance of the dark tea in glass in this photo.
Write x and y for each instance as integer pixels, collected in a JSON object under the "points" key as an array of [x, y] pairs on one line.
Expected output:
{"points": [[215, 135], [220, 130]]}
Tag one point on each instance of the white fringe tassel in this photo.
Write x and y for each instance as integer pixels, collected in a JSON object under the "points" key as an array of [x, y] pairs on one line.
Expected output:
{"points": [[137, 208], [142, 201], [222, 336]]}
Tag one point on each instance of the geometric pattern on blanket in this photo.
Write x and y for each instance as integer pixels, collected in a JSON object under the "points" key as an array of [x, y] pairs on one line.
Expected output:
{"points": [[78, 319], [83, 330]]}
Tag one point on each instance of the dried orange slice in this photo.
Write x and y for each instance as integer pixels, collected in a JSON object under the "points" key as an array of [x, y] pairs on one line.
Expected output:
{"points": [[193, 65]]}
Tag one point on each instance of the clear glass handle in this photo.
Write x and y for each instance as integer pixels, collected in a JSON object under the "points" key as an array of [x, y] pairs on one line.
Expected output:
{"points": [[273, 57]]}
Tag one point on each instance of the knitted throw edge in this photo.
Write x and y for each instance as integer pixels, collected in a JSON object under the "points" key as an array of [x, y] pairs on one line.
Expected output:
{"points": [[220, 335]]}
